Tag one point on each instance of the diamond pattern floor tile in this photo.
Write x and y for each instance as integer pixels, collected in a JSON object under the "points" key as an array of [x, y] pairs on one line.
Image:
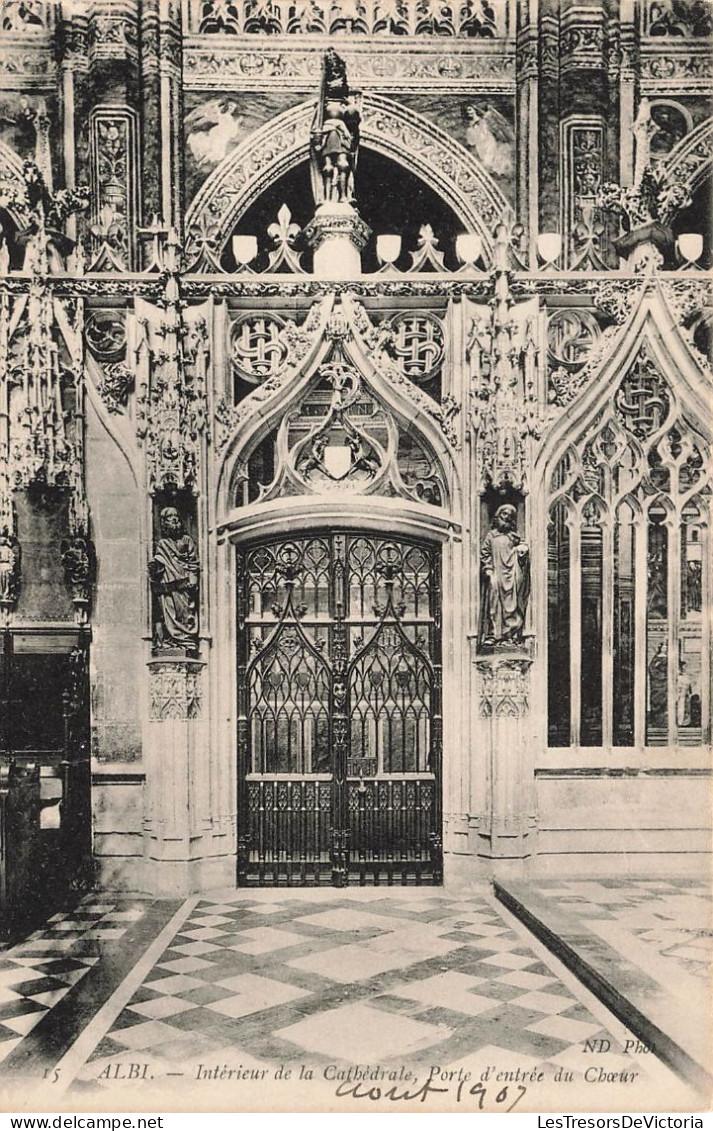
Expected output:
{"points": [[380, 975], [544, 1002], [253, 993], [264, 940], [356, 1032], [565, 1029], [449, 991]]}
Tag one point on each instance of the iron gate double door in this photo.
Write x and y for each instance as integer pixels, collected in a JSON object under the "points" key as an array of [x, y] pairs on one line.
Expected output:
{"points": [[339, 710]]}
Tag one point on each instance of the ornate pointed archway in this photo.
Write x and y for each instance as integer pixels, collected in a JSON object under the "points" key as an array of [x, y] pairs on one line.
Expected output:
{"points": [[387, 127]]}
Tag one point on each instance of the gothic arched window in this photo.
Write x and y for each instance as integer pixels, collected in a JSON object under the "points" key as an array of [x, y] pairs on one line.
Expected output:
{"points": [[628, 568]]}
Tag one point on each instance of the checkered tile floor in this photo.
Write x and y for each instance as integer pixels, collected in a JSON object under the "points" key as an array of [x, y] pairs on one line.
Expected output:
{"points": [[673, 918], [354, 977], [38, 972]]}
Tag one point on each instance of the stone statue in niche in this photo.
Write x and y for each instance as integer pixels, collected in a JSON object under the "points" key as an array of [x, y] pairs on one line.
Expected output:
{"points": [[78, 563], [10, 569], [335, 136], [505, 586], [174, 571]]}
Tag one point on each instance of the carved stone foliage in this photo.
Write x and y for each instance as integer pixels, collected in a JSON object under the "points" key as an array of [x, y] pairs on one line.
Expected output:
{"points": [[175, 690], [504, 687], [112, 32], [684, 67], [475, 19], [114, 159], [116, 386], [105, 335], [41, 390], [583, 173], [42, 211], [41, 403], [325, 226]]}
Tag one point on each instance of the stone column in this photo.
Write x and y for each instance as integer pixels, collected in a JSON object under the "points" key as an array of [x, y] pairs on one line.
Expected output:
{"points": [[626, 74], [527, 187], [548, 116]]}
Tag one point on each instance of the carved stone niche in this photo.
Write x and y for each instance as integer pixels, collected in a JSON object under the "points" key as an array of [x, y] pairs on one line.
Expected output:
{"points": [[174, 574], [504, 574]]}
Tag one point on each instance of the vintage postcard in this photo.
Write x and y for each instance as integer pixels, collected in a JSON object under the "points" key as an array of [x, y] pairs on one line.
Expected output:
{"points": [[355, 556]]}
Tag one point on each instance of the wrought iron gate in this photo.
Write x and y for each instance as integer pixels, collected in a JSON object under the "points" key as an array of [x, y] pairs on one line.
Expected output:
{"points": [[339, 706]]}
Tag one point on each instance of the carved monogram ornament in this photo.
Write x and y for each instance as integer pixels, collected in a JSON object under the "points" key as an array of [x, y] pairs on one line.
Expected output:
{"points": [[289, 344]]}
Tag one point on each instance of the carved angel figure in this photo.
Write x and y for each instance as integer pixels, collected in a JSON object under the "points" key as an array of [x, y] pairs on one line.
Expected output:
{"points": [[490, 137], [212, 130]]}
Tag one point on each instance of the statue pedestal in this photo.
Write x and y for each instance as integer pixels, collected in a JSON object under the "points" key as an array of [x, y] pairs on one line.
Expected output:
{"points": [[337, 235], [646, 248]]}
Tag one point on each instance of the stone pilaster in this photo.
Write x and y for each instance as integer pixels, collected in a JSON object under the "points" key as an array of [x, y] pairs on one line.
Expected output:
{"points": [[506, 829], [172, 751]]}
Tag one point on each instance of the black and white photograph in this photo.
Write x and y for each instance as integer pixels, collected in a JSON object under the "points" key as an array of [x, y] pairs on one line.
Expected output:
{"points": [[356, 412]]}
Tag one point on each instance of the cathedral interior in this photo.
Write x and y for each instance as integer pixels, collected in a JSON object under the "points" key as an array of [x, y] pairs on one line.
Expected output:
{"points": [[355, 539]]}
